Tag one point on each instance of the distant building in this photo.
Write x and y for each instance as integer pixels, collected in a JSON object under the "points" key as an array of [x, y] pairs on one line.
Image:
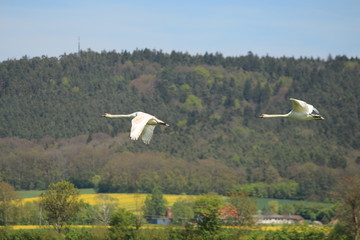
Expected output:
{"points": [[229, 214], [161, 221], [277, 219], [168, 213]]}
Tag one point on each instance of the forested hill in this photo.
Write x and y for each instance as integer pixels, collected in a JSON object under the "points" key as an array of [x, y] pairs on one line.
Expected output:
{"points": [[210, 101]]}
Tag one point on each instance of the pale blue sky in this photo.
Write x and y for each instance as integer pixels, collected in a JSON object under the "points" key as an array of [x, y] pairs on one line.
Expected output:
{"points": [[307, 28]]}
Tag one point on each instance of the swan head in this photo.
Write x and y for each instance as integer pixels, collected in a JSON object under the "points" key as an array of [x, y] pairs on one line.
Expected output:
{"points": [[106, 115], [317, 117]]}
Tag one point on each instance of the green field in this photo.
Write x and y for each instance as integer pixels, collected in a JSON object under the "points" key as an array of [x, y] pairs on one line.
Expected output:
{"points": [[263, 202], [36, 193]]}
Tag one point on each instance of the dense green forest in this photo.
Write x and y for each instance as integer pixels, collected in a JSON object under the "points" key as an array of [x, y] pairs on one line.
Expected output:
{"points": [[51, 129]]}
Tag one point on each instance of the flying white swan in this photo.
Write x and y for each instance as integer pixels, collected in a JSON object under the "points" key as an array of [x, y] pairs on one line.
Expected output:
{"points": [[300, 110], [142, 124]]}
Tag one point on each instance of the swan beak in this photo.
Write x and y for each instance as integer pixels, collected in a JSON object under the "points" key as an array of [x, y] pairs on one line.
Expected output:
{"points": [[261, 116]]}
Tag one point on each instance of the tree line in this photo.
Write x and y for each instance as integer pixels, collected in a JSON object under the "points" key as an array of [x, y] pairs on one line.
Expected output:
{"points": [[103, 164]]}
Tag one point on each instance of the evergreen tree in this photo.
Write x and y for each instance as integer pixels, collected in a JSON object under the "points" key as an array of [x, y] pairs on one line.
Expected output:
{"points": [[155, 205]]}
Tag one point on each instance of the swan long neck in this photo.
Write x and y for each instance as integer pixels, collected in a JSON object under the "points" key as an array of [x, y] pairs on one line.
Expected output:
{"points": [[274, 115], [120, 115]]}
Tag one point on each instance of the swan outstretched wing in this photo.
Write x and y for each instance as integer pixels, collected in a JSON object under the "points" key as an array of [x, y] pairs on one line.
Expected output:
{"points": [[138, 124], [147, 133], [301, 106]]}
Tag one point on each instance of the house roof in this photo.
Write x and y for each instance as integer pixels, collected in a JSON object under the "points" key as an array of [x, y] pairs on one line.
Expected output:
{"points": [[228, 211]]}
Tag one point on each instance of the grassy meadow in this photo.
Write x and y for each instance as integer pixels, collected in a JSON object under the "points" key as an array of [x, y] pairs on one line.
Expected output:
{"points": [[36, 193]]}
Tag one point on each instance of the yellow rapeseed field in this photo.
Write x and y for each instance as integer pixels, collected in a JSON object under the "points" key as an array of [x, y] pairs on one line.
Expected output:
{"points": [[129, 201]]}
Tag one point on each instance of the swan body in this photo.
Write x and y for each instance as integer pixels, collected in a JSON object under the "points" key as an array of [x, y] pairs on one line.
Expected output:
{"points": [[300, 110], [142, 124]]}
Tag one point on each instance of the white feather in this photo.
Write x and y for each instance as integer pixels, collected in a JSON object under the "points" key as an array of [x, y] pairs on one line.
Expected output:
{"points": [[147, 133]]}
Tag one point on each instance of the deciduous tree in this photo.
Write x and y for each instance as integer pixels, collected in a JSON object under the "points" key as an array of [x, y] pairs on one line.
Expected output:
{"points": [[348, 211], [245, 207], [182, 211], [206, 210], [61, 202], [7, 194], [105, 206]]}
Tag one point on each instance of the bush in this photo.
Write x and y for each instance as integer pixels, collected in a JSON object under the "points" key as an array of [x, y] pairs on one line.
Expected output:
{"points": [[341, 232], [122, 222], [78, 234], [35, 234], [303, 233]]}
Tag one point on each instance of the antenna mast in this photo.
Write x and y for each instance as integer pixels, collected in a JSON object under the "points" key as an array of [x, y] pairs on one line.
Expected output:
{"points": [[79, 45]]}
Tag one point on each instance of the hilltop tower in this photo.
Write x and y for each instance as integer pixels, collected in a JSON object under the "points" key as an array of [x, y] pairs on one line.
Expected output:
{"points": [[79, 46]]}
